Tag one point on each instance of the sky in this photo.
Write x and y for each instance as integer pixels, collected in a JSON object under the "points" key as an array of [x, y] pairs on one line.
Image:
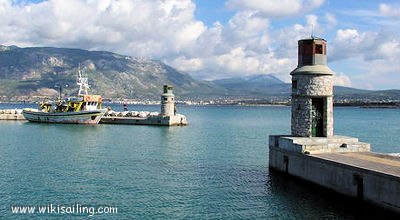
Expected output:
{"points": [[213, 39]]}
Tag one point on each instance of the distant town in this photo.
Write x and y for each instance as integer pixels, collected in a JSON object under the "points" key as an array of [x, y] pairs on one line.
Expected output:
{"points": [[234, 101]]}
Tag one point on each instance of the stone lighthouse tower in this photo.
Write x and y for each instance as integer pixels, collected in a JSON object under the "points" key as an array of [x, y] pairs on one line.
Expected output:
{"points": [[312, 153], [312, 91], [167, 101], [312, 111]]}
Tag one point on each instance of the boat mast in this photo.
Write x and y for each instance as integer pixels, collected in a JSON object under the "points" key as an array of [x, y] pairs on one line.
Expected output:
{"points": [[82, 83]]}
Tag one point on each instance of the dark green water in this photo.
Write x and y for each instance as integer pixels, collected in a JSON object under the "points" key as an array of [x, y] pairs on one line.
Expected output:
{"points": [[215, 168]]}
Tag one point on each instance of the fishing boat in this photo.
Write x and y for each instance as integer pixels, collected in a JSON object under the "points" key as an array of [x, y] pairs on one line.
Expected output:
{"points": [[84, 109]]}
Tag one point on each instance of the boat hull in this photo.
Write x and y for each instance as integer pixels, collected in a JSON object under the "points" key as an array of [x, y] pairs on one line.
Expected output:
{"points": [[81, 117]]}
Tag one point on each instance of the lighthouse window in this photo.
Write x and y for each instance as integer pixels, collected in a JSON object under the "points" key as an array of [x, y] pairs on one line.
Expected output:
{"points": [[318, 49], [165, 99], [307, 52]]}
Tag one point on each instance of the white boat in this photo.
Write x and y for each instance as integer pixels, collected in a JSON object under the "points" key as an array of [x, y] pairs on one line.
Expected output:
{"points": [[84, 109], [78, 117]]}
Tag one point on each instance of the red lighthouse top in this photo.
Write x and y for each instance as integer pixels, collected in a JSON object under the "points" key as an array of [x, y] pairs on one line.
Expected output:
{"points": [[312, 52], [312, 58]]}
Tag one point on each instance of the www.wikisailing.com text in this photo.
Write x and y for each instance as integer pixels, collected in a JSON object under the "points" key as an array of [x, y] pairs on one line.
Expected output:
{"points": [[75, 209]]}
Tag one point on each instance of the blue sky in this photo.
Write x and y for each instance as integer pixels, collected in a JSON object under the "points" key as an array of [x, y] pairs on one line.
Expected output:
{"points": [[210, 11], [213, 39]]}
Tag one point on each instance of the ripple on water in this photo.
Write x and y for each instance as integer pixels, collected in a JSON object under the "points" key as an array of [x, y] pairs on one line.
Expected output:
{"points": [[214, 168]]}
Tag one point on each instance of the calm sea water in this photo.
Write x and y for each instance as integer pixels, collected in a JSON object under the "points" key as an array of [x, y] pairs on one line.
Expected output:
{"points": [[215, 168]]}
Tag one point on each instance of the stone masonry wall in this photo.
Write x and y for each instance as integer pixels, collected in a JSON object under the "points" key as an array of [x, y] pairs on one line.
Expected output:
{"points": [[314, 85], [301, 116], [308, 87], [328, 121]]}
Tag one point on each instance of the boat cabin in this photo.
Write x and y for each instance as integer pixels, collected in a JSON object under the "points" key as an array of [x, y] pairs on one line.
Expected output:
{"points": [[74, 104], [92, 102]]}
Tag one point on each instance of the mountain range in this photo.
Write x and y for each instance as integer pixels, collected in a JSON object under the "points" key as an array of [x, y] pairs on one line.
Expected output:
{"points": [[35, 71], [39, 71]]}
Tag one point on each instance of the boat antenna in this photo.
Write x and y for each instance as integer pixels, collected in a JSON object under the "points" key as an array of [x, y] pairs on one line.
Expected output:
{"points": [[82, 82]]}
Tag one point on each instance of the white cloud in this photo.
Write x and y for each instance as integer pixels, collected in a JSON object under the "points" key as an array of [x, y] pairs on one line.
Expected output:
{"points": [[250, 42], [238, 60], [331, 20], [246, 24], [374, 55], [350, 43], [164, 29], [390, 50], [143, 28], [312, 20], [287, 37], [368, 45], [240, 47], [347, 35], [340, 79], [247, 30], [276, 8], [190, 65], [389, 10], [376, 74]]}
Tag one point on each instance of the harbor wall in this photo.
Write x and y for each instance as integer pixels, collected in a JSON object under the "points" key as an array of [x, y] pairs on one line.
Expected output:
{"points": [[367, 185], [11, 114], [174, 120], [12, 117]]}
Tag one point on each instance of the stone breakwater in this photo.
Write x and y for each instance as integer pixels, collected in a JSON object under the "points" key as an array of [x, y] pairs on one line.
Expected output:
{"points": [[143, 118], [11, 114], [140, 114]]}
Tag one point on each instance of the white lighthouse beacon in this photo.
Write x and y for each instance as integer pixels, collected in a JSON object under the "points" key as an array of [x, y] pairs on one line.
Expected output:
{"points": [[312, 91], [167, 101]]}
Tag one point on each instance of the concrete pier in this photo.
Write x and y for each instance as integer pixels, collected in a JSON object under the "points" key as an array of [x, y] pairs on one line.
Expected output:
{"points": [[370, 177], [174, 120]]}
